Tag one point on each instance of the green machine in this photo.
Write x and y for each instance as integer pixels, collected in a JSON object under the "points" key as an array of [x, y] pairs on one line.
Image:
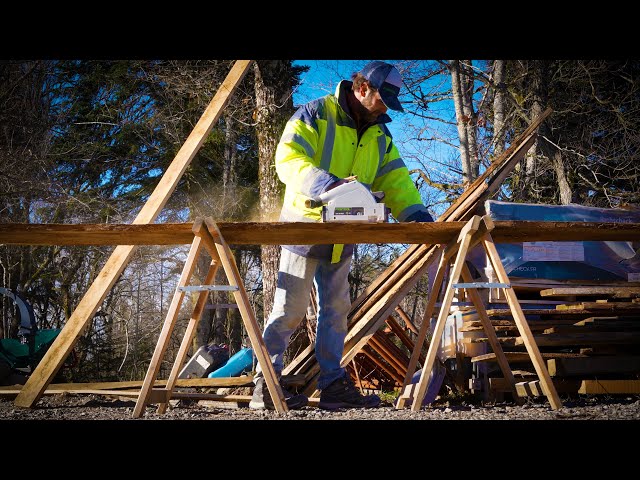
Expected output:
{"points": [[19, 357]]}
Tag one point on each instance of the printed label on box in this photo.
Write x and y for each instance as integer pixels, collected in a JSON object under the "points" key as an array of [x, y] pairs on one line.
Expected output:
{"points": [[553, 251], [202, 361]]}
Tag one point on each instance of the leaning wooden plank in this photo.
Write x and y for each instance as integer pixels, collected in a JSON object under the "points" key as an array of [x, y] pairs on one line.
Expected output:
{"points": [[407, 321], [368, 352], [568, 367], [508, 154], [66, 340], [609, 387], [402, 336]]}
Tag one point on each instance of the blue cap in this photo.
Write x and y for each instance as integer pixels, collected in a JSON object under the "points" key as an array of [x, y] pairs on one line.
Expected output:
{"points": [[385, 78]]}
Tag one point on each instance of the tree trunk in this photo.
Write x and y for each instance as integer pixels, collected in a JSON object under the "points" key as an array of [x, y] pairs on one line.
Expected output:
{"points": [[467, 81], [564, 190], [462, 89], [456, 88], [271, 115], [499, 108]]}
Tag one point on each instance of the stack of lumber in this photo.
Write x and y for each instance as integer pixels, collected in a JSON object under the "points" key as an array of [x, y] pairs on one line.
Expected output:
{"points": [[589, 336], [370, 310]]}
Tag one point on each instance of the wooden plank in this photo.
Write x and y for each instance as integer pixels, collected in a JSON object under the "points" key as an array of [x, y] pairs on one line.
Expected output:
{"points": [[404, 338], [66, 340], [593, 291], [568, 367], [283, 233], [391, 368], [562, 385], [600, 307], [596, 338], [519, 144], [240, 381], [609, 387], [606, 320], [557, 340], [521, 321], [593, 328], [547, 312], [397, 368], [519, 357], [407, 321]]}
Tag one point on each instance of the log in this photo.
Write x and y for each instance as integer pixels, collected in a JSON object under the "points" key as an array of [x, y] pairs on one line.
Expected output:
{"points": [[303, 233]]}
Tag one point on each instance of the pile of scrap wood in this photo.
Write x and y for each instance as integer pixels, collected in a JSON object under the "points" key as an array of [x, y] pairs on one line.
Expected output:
{"points": [[374, 306], [588, 334]]}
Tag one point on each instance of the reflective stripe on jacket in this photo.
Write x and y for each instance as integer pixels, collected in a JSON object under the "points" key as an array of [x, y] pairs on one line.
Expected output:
{"points": [[320, 145]]}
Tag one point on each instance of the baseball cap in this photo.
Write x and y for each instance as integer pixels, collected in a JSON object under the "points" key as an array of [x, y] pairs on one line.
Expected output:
{"points": [[385, 78]]}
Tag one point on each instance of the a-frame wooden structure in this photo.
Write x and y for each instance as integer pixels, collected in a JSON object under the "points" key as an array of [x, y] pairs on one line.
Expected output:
{"points": [[476, 231], [77, 323], [207, 235]]}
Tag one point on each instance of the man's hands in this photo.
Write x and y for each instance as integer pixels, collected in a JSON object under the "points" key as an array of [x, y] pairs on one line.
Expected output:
{"points": [[420, 217]]}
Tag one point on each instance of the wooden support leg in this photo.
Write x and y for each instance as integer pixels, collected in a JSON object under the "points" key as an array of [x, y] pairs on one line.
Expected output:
{"points": [[491, 334], [167, 327], [407, 387], [466, 234], [248, 317], [523, 327], [189, 332]]}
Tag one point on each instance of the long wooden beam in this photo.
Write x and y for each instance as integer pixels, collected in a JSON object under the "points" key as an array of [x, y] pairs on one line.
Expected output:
{"points": [[77, 323], [287, 233]]}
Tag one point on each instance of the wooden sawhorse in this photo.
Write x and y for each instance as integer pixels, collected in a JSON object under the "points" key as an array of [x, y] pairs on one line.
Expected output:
{"points": [[476, 231], [207, 235]]}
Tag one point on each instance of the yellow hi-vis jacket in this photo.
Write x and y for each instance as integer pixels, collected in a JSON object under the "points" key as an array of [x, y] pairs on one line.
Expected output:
{"points": [[319, 146]]}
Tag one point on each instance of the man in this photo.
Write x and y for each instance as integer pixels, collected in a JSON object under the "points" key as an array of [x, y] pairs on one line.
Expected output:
{"points": [[324, 144]]}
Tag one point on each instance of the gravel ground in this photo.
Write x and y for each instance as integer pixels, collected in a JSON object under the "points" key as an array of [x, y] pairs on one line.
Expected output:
{"points": [[95, 407]]}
